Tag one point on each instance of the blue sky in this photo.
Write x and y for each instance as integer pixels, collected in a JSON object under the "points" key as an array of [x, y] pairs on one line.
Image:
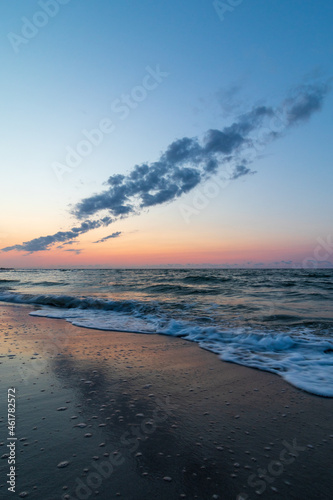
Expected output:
{"points": [[65, 78]]}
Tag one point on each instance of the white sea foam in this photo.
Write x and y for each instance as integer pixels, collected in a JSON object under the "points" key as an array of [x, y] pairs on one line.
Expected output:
{"points": [[99, 320], [302, 358]]}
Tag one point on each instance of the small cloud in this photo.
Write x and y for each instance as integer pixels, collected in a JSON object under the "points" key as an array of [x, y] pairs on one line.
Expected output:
{"points": [[306, 100], [71, 243], [113, 235], [77, 251], [241, 170]]}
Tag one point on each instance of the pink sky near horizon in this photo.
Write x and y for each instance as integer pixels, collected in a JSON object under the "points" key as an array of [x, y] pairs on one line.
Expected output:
{"points": [[149, 253]]}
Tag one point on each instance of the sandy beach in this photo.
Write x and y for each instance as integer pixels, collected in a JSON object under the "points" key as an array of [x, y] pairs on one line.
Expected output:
{"points": [[105, 415]]}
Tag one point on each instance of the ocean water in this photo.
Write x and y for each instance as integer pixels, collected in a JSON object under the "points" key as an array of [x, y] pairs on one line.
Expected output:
{"points": [[275, 320]]}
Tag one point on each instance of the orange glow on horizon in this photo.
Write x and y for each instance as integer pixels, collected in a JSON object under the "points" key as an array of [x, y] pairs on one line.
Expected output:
{"points": [[137, 252]]}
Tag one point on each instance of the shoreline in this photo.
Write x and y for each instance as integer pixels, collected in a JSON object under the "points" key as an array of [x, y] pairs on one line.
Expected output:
{"points": [[173, 417]]}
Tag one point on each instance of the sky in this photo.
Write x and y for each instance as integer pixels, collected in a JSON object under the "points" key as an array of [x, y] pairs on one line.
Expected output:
{"points": [[161, 134]]}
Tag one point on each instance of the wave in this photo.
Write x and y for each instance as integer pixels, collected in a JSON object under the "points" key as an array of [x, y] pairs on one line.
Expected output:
{"points": [[166, 289], [73, 302], [305, 361], [181, 290], [302, 358], [205, 279], [288, 318], [318, 274], [9, 281], [46, 283]]}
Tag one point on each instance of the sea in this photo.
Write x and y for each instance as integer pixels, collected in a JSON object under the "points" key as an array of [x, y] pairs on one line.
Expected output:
{"points": [[276, 320]]}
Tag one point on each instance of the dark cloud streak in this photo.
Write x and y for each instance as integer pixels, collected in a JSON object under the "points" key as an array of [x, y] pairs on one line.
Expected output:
{"points": [[111, 236], [44, 242]]}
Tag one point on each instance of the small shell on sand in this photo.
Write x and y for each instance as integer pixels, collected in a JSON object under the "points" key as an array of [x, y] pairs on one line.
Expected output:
{"points": [[63, 464]]}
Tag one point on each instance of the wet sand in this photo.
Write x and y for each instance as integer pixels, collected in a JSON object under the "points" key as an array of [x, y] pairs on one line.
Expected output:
{"points": [[117, 415]]}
